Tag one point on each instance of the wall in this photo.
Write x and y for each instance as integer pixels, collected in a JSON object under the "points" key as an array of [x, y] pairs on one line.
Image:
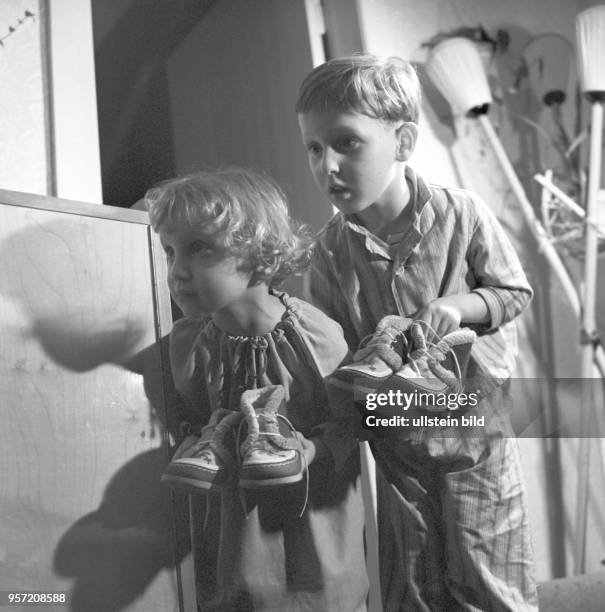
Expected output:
{"points": [[84, 434], [233, 85], [132, 41], [23, 157], [48, 115], [72, 99]]}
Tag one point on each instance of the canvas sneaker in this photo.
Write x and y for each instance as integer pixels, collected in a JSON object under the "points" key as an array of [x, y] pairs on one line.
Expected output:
{"points": [[376, 360], [434, 371], [208, 461], [271, 453]]}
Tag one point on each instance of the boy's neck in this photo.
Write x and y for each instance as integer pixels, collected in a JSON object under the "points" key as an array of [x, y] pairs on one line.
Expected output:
{"points": [[255, 314], [393, 214]]}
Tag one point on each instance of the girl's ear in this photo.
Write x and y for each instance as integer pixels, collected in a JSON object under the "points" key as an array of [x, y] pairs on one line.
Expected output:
{"points": [[261, 274], [407, 134]]}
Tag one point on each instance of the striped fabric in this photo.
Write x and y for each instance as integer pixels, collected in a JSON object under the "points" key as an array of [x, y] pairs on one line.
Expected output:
{"points": [[454, 532], [453, 527], [454, 245]]}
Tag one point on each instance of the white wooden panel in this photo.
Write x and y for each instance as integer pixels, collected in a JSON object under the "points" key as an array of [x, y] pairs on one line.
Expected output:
{"points": [[81, 443]]}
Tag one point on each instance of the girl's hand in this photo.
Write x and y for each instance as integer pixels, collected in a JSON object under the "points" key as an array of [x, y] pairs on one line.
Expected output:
{"points": [[312, 449], [443, 315]]}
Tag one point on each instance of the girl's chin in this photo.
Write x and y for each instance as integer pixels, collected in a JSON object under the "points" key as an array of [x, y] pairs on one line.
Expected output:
{"points": [[190, 309]]}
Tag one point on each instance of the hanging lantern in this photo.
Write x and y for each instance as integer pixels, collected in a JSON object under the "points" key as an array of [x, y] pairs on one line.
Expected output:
{"points": [[548, 60], [590, 36], [456, 69]]}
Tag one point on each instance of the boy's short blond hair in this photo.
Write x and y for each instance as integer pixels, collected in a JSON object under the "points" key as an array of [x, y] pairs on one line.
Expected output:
{"points": [[242, 212], [383, 88]]}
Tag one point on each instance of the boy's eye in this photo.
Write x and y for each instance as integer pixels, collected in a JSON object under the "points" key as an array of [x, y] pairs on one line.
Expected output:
{"points": [[199, 247], [347, 143], [169, 252]]}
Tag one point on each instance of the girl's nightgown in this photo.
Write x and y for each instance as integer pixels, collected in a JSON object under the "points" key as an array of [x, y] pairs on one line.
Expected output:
{"points": [[253, 549]]}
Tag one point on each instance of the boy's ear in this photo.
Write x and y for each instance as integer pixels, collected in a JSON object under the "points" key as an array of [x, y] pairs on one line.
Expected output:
{"points": [[407, 134]]}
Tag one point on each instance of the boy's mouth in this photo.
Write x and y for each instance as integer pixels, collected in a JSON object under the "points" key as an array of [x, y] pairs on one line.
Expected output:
{"points": [[336, 189]]}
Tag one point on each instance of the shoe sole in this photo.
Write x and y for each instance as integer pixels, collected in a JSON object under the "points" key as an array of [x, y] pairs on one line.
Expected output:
{"points": [[269, 482], [353, 371], [190, 484], [360, 380]]}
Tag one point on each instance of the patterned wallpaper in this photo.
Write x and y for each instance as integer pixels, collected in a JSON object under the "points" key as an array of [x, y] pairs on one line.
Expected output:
{"points": [[23, 138]]}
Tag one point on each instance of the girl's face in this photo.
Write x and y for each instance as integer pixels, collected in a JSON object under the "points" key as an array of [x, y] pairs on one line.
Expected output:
{"points": [[202, 279]]}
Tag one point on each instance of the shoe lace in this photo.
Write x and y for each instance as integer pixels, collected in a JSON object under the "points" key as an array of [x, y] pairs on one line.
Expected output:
{"points": [[383, 348], [242, 494], [393, 337], [423, 352], [209, 497]]}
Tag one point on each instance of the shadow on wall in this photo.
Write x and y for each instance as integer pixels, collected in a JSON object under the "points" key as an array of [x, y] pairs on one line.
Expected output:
{"points": [[65, 314], [115, 552]]}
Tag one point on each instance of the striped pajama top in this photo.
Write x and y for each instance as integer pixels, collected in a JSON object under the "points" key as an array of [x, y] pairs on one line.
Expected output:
{"points": [[454, 244]]}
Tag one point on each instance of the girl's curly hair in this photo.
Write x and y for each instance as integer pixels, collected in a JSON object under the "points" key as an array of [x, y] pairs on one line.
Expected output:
{"points": [[240, 211]]}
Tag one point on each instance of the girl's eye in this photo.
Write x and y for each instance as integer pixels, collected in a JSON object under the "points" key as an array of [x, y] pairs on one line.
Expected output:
{"points": [[314, 149], [169, 252]]}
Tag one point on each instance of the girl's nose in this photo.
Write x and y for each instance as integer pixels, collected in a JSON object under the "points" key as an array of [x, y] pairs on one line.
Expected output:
{"points": [[179, 269]]}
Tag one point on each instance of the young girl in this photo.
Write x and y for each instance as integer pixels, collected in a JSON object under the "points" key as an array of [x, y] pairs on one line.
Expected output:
{"points": [[229, 241]]}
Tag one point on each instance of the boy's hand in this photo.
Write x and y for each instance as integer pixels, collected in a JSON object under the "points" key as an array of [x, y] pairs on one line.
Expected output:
{"points": [[443, 315]]}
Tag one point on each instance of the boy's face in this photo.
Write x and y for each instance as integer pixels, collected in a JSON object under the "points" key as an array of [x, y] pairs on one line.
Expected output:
{"points": [[355, 159], [202, 279]]}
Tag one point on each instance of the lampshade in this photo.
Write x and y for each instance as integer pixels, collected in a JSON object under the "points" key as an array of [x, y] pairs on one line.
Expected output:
{"points": [[590, 36], [455, 68], [548, 59]]}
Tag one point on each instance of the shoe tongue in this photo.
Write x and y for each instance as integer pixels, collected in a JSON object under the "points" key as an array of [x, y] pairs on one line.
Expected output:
{"points": [[200, 449], [419, 357], [205, 454], [268, 422]]}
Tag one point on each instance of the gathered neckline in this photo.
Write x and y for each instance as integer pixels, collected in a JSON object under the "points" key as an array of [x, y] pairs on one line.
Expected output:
{"points": [[290, 312]]}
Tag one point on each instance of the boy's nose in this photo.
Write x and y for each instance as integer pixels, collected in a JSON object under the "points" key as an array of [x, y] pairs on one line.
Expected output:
{"points": [[330, 162]]}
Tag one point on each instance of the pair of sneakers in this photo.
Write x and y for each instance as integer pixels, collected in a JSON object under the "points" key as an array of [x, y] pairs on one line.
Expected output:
{"points": [[269, 455], [406, 356]]}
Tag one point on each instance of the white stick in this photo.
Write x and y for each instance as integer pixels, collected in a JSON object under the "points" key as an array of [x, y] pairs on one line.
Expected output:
{"points": [[547, 183], [565, 199], [599, 353], [544, 244], [588, 330], [368, 492], [536, 228], [557, 265]]}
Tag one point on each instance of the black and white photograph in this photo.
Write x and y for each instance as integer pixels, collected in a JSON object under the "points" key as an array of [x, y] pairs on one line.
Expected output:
{"points": [[301, 305]]}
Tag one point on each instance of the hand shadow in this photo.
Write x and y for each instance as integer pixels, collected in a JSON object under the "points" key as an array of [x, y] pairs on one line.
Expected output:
{"points": [[66, 345], [115, 552]]}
